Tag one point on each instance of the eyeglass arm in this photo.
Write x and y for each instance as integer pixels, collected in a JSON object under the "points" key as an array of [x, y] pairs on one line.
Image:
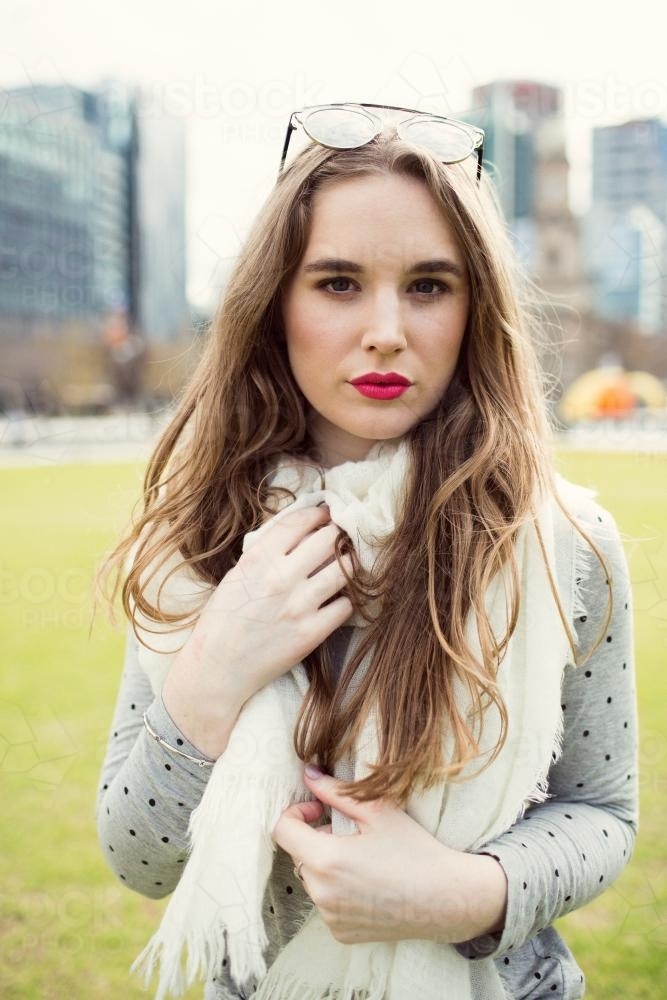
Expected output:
{"points": [[288, 135]]}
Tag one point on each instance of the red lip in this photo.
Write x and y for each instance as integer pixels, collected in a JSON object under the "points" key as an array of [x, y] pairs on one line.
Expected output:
{"points": [[380, 390], [381, 378]]}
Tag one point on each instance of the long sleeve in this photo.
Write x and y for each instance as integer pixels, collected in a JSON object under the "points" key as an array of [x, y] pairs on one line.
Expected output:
{"points": [[146, 793], [569, 849]]}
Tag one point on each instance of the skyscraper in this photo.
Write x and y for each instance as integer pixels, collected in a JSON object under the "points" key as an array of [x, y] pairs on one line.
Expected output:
{"points": [[65, 209], [92, 224], [161, 303], [625, 236], [525, 149]]}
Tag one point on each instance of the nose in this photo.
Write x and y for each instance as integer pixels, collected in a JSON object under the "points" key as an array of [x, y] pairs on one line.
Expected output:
{"points": [[383, 324]]}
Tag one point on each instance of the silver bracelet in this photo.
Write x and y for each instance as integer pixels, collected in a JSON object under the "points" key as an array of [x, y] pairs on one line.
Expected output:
{"points": [[181, 753]]}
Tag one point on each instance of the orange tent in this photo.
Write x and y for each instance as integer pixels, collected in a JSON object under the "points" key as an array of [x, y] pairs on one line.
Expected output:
{"points": [[611, 392]]}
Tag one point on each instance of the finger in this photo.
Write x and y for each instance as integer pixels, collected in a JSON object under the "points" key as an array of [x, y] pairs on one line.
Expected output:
{"points": [[329, 580], [292, 831], [305, 812], [287, 531], [333, 615], [327, 790], [278, 538], [327, 828], [315, 549]]}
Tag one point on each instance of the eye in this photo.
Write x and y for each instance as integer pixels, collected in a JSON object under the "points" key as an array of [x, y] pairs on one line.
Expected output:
{"points": [[429, 287], [336, 285]]}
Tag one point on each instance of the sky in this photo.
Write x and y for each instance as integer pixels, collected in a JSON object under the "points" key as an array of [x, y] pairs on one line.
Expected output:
{"points": [[234, 72]]}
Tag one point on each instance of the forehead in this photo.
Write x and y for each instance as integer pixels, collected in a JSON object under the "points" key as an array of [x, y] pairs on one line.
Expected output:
{"points": [[386, 216]]}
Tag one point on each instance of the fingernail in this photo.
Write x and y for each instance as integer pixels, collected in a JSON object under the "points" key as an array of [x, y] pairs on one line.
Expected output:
{"points": [[313, 772]]}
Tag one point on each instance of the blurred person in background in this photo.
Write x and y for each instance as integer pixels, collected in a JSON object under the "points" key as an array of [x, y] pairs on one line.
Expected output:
{"points": [[125, 355], [355, 554]]}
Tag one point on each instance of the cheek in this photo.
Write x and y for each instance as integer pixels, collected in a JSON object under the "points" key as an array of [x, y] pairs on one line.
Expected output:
{"points": [[302, 349], [307, 356], [310, 336], [445, 336]]}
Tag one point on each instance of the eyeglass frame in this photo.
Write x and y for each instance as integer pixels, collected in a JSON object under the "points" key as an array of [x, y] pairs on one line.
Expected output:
{"points": [[478, 134]]}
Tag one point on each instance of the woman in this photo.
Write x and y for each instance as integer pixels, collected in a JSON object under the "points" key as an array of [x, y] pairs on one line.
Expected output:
{"points": [[354, 552]]}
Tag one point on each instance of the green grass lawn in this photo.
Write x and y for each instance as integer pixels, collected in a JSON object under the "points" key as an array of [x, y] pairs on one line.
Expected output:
{"points": [[68, 929]]}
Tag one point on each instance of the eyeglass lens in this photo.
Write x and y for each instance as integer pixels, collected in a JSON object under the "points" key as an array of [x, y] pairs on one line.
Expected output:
{"points": [[340, 128], [446, 140]]}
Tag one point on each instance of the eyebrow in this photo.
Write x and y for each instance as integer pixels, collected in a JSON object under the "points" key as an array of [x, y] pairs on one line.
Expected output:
{"points": [[336, 264], [333, 264]]}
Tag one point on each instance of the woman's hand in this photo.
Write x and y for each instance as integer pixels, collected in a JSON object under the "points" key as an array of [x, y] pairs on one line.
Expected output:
{"points": [[264, 616], [392, 880]]}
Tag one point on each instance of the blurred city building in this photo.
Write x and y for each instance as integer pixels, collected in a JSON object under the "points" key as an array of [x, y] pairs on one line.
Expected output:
{"points": [[92, 232], [604, 274], [525, 150], [65, 208], [161, 304], [625, 237]]}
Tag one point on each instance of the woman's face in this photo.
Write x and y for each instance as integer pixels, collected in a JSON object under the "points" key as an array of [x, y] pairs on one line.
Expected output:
{"points": [[380, 296]]}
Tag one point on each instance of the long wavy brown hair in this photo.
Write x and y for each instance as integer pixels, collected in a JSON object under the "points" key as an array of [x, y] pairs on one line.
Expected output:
{"points": [[477, 464]]}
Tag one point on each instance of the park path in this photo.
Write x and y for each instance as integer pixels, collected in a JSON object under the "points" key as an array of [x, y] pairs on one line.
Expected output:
{"points": [[34, 441]]}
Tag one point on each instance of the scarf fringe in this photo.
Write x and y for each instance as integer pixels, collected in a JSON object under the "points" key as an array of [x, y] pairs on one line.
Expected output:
{"points": [[293, 988], [540, 792], [205, 956], [583, 561], [214, 914], [328, 969], [173, 977], [582, 568], [580, 502]]}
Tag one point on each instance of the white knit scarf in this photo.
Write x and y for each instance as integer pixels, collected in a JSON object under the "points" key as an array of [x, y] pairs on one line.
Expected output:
{"points": [[216, 910]]}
